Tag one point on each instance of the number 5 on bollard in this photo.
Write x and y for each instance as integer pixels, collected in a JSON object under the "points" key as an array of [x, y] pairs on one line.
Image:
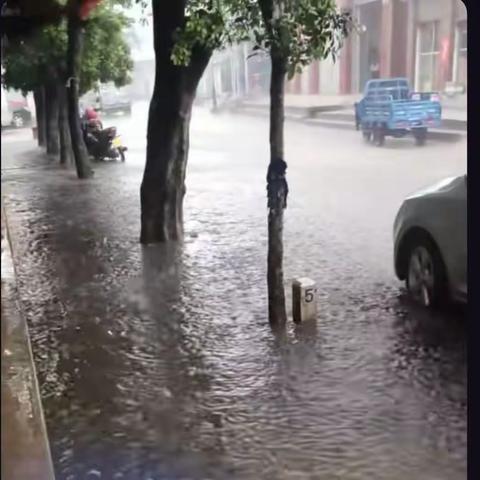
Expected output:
{"points": [[304, 300], [309, 294]]}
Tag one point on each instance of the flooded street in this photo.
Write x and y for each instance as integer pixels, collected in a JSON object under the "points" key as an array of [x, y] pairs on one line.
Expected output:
{"points": [[158, 363]]}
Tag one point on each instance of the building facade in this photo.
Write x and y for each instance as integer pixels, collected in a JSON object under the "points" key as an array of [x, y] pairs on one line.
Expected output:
{"points": [[236, 72], [423, 40]]}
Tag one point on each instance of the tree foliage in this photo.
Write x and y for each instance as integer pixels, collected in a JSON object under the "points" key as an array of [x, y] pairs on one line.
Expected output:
{"points": [[299, 30], [106, 52], [21, 18], [209, 24], [28, 63]]}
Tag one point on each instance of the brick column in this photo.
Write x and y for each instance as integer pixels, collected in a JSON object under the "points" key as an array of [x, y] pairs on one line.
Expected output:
{"points": [[399, 43], [446, 49], [446, 34], [346, 68], [386, 39], [314, 78], [297, 84], [449, 74], [345, 57], [411, 41]]}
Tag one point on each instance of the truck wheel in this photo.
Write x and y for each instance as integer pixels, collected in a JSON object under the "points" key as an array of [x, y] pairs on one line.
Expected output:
{"points": [[367, 136], [420, 136], [379, 137]]}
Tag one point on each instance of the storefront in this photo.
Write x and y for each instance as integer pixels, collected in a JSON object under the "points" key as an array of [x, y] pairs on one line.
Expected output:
{"points": [[259, 68], [366, 42], [460, 55], [427, 57], [440, 31]]}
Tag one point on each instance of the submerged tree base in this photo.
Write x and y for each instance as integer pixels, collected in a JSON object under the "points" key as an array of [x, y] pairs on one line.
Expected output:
{"points": [[163, 184], [277, 312]]}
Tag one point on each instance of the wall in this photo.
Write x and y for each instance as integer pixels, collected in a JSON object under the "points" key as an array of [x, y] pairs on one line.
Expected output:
{"points": [[329, 77], [442, 12], [399, 39], [460, 10], [305, 80], [367, 44], [459, 68]]}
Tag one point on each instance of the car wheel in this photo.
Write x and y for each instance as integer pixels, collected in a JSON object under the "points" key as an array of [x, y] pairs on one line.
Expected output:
{"points": [[18, 121], [426, 277]]}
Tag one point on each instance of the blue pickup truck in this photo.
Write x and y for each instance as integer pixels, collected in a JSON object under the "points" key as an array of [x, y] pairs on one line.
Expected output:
{"points": [[390, 108]]}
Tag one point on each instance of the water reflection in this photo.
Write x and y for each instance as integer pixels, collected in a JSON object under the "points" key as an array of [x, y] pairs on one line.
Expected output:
{"points": [[159, 362]]}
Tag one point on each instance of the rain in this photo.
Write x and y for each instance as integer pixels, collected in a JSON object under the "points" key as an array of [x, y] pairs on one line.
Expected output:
{"points": [[158, 362]]}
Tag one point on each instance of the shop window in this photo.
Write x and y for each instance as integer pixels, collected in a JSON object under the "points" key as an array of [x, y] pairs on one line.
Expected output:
{"points": [[428, 50], [461, 54], [226, 76]]}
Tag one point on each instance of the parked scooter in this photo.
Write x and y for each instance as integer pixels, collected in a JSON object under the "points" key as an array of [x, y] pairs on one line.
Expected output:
{"points": [[103, 144]]}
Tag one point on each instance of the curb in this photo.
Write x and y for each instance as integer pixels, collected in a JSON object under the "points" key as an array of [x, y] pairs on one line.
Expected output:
{"points": [[440, 135], [26, 451], [337, 112]]}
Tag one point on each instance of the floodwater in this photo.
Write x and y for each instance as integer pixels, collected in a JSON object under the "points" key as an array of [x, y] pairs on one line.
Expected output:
{"points": [[159, 363]]}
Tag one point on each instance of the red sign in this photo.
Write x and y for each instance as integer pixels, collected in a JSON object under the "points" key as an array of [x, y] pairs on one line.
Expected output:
{"points": [[444, 50], [86, 8], [444, 58]]}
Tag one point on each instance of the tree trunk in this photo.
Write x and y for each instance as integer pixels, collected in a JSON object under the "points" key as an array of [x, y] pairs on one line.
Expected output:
{"points": [[163, 184], [277, 194], [39, 98], [74, 56], [66, 153], [51, 114]]}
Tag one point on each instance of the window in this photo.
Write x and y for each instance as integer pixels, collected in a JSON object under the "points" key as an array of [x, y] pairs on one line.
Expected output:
{"points": [[462, 37], [226, 76], [428, 50], [461, 53]]}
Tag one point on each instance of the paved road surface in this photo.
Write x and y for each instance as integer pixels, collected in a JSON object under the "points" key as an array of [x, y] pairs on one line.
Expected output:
{"points": [[158, 363]]}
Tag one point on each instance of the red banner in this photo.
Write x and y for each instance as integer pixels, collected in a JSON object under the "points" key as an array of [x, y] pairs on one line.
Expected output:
{"points": [[86, 8], [445, 49]]}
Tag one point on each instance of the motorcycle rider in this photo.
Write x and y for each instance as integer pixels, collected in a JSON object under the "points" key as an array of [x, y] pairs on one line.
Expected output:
{"points": [[96, 138], [92, 119]]}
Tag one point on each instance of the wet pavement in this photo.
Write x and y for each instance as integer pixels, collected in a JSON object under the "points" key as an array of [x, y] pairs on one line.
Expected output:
{"points": [[158, 362], [25, 449]]}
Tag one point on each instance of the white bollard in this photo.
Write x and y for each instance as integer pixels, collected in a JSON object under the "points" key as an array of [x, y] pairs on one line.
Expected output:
{"points": [[304, 299]]}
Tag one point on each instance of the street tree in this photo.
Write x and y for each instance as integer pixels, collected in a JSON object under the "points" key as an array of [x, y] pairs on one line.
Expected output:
{"points": [[75, 33], [33, 64], [96, 50], [293, 33], [38, 63], [186, 32], [21, 18]]}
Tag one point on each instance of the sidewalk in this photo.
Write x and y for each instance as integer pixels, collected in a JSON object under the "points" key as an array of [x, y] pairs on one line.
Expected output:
{"points": [[156, 362], [311, 101], [340, 108], [25, 447]]}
